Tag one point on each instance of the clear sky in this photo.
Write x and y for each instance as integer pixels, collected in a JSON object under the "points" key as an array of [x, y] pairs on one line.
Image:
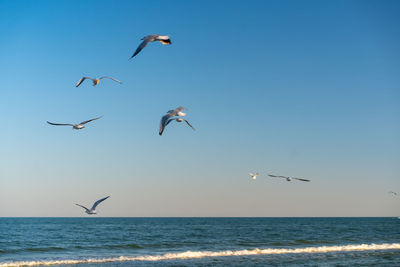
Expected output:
{"points": [[303, 88]]}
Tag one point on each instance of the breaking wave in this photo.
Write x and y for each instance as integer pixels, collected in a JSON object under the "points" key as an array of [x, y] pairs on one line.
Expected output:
{"points": [[204, 254]]}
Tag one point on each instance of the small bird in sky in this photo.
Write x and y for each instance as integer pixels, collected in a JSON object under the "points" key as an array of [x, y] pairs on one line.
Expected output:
{"points": [[393, 193], [74, 126], [95, 81], [166, 119], [253, 176], [164, 39], [289, 179], [93, 209]]}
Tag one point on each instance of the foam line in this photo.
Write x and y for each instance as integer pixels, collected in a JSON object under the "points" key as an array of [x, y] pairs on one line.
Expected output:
{"points": [[205, 254]]}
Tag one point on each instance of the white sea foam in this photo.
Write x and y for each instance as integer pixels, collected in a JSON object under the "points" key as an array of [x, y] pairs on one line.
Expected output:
{"points": [[204, 254]]}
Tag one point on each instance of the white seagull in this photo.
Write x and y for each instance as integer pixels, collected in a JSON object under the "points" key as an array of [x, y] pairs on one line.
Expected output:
{"points": [[95, 81], [164, 39], [74, 126], [253, 176], [391, 192], [166, 119], [289, 179], [93, 209]]}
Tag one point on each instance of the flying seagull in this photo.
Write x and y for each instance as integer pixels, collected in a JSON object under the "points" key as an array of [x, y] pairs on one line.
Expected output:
{"points": [[391, 192], [164, 39], [254, 176], [74, 126], [93, 209], [166, 119], [95, 81], [289, 179]]}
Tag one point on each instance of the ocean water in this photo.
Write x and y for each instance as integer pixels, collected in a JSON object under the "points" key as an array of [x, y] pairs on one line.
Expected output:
{"points": [[97, 241]]}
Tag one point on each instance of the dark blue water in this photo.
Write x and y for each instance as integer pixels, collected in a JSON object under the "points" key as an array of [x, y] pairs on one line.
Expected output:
{"points": [[211, 241]]}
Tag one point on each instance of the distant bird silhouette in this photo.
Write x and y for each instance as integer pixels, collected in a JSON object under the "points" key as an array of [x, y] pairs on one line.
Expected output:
{"points": [[289, 179], [95, 81], [74, 126], [253, 176], [391, 192], [93, 209], [164, 39]]}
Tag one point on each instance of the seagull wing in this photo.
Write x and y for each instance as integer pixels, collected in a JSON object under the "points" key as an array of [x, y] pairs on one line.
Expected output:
{"points": [[277, 176], [251, 174], [105, 77], [141, 46], [82, 79], [84, 122], [60, 124], [98, 202], [301, 179], [189, 124], [83, 207], [164, 122]]}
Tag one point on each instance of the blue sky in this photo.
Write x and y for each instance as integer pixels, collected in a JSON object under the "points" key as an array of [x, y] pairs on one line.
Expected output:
{"points": [[303, 88]]}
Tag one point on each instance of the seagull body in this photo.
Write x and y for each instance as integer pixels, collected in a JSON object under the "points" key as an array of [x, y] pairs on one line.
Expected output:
{"points": [[95, 81], [74, 126], [177, 112], [391, 192], [253, 176], [289, 179], [93, 209], [166, 119], [164, 39]]}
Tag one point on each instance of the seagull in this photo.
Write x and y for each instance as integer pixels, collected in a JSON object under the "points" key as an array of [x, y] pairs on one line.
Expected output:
{"points": [[391, 192], [164, 39], [166, 119], [93, 209], [74, 126], [289, 179], [254, 176], [95, 81]]}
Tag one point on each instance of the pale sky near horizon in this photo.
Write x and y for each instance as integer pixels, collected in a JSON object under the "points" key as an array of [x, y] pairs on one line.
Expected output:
{"points": [[303, 88]]}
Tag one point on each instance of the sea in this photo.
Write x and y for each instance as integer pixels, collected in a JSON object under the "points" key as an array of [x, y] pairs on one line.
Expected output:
{"points": [[96, 241]]}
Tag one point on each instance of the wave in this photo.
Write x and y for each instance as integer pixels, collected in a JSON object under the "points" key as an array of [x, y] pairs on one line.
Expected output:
{"points": [[204, 254]]}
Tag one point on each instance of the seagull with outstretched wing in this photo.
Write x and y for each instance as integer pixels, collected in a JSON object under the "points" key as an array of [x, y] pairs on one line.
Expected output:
{"points": [[93, 209], [74, 126], [164, 39], [166, 119], [96, 81], [289, 179]]}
